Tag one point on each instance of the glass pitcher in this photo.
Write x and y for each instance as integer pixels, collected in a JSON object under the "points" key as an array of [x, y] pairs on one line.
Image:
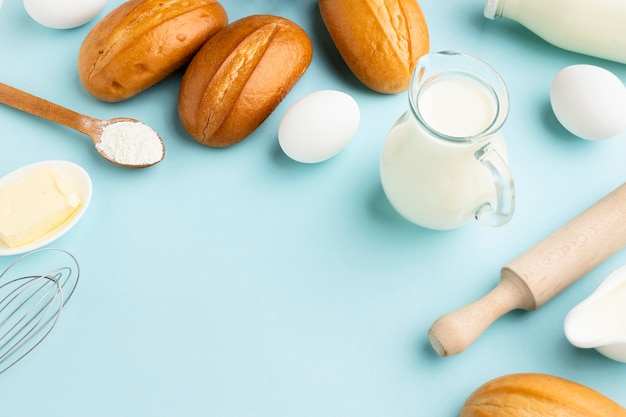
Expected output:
{"points": [[444, 162]]}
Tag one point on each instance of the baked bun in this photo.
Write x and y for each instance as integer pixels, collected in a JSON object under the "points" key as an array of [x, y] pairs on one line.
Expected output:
{"points": [[141, 42], [379, 41], [240, 76]]}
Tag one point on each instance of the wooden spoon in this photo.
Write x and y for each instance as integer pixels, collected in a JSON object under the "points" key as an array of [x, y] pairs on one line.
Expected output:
{"points": [[95, 128]]}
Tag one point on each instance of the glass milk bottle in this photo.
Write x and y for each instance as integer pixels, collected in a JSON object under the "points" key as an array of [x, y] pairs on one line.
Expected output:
{"points": [[591, 27], [444, 162]]}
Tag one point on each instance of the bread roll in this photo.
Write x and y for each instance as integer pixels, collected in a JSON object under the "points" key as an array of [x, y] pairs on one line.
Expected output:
{"points": [[380, 40], [538, 395], [141, 42], [240, 76]]}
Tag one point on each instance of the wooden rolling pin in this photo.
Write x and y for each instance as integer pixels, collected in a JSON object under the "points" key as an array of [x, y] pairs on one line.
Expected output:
{"points": [[539, 274]]}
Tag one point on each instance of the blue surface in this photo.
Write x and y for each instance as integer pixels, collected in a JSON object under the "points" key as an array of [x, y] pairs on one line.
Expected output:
{"points": [[237, 282]]}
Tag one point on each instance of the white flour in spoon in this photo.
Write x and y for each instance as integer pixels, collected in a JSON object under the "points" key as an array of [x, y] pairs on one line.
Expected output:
{"points": [[131, 143]]}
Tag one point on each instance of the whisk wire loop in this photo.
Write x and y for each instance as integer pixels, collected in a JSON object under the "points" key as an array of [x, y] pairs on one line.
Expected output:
{"points": [[29, 313], [31, 304]]}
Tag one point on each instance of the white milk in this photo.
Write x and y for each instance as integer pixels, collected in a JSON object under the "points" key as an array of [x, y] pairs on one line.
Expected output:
{"points": [[434, 182], [592, 27], [457, 107], [599, 321], [604, 318]]}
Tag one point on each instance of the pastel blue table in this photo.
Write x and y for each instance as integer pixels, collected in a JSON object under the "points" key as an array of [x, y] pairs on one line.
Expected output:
{"points": [[236, 282]]}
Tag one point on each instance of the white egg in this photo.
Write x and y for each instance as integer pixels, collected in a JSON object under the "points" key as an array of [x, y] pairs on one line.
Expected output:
{"points": [[318, 126], [63, 14], [589, 101]]}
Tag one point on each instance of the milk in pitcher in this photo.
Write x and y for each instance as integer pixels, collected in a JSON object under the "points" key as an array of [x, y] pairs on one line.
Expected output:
{"points": [[437, 182], [444, 161]]}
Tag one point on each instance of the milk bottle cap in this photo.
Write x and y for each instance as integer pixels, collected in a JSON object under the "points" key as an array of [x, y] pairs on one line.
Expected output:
{"points": [[491, 7]]}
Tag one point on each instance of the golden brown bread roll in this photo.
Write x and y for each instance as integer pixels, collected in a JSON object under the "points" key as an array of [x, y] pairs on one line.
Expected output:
{"points": [[141, 42], [538, 395], [380, 40], [240, 76]]}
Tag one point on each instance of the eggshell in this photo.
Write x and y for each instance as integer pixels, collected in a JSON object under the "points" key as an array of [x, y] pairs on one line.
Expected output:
{"points": [[63, 14], [318, 126], [589, 101]]}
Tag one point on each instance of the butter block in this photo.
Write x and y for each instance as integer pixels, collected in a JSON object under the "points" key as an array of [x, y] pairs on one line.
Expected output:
{"points": [[34, 205]]}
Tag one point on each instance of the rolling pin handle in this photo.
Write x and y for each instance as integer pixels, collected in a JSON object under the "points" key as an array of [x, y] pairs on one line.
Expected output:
{"points": [[452, 333]]}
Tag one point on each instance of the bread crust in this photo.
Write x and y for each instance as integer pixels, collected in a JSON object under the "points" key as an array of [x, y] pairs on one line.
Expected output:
{"points": [[141, 42], [380, 40], [532, 395], [239, 77]]}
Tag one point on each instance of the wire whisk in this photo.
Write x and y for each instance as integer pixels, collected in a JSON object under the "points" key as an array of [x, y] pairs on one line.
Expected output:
{"points": [[30, 304]]}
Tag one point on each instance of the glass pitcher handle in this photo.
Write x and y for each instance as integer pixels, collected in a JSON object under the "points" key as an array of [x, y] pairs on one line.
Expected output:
{"points": [[500, 212]]}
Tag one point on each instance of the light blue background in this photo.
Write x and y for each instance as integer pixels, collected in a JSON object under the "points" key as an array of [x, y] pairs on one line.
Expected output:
{"points": [[238, 283]]}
